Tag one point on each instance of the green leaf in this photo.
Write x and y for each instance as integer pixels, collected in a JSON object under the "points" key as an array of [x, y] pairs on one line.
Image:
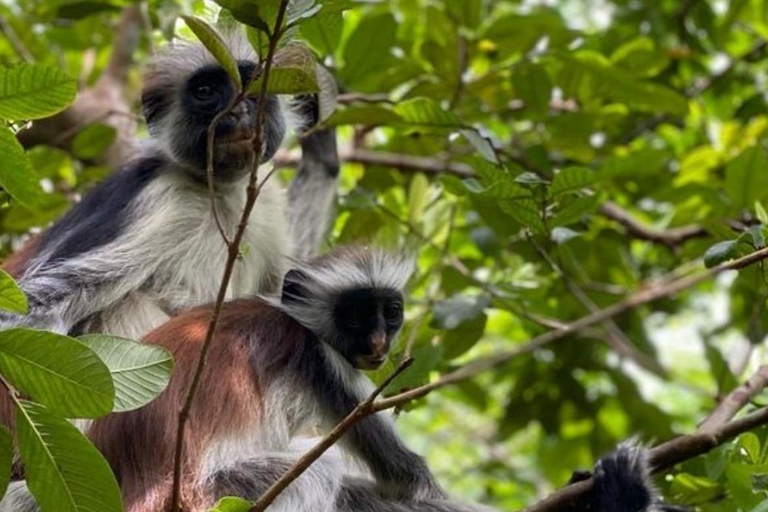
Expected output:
{"points": [[6, 458], [364, 54], [216, 46], [371, 115], [572, 178], [12, 298], [17, 176], [57, 371], [450, 313], [34, 92], [93, 141], [760, 212], [457, 342], [324, 31], [64, 471], [418, 198], [426, 112], [588, 74], [232, 505], [720, 253], [533, 86], [140, 372], [746, 177], [294, 71], [482, 144]]}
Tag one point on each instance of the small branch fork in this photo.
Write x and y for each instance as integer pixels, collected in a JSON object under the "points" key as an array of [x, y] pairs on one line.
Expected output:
{"points": [[233, 250]]}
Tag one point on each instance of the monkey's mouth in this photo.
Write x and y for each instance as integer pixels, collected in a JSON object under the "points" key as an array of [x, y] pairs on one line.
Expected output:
{"points": [[370, 363]]}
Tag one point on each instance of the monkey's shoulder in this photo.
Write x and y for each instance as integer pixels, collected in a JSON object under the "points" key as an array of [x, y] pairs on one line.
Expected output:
{"points": [[101, 215]]}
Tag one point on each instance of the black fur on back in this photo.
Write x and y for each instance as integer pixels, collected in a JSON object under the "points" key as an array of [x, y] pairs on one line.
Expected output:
{"points": [[102, 214]]}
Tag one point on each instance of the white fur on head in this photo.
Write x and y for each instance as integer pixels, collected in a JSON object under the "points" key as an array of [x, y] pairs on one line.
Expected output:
{"points": [[325, 278], [170, 66]]}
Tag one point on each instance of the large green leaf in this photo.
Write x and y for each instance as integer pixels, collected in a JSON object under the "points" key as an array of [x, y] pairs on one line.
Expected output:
{"points": [[140, 372], [216, 45], [572, 178], [65, 472], [746, 177], [587, 74], [57, 371], [6, 458], [364, 53], [323, 31], [17, 176], [12, 298], [33, 92], [294, 72], [426, 112]]}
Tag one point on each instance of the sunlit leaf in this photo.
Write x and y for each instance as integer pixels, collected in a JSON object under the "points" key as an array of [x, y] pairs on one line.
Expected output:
{"points": [[12, 298], [140, 372], [17, 176], [57, 371], [64, 471], [32, 92]]}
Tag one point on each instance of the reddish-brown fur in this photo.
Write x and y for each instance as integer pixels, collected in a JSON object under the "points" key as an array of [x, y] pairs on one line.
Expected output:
{"points": [[139, 444], [17, 262]]}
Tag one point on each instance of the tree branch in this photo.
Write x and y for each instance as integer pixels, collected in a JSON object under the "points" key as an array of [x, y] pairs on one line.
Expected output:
{"points": [[735, 401], [670, 237], [662, 457]]}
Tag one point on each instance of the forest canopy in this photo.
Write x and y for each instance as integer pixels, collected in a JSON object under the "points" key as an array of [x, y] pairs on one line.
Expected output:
{"points": [[584, 185]]}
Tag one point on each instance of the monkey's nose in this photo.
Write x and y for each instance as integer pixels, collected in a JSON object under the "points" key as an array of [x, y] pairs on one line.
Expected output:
{"points": [[379, 344]]}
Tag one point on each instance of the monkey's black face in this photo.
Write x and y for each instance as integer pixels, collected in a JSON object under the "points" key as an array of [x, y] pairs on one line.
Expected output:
{"points": [[206, 93], [367, 320]]}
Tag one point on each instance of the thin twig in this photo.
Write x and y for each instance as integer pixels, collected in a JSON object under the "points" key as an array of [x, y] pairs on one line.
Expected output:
{"points": [[232, 256], [362, 411], [735, 401]]}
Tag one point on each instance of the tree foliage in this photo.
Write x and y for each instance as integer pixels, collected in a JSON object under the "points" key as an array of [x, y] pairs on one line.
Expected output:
{"points": [[544, 160]]}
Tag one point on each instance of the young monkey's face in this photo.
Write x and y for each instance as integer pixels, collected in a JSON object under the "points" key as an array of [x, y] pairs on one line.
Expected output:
{"points": [[367, 320], [181, 115]]}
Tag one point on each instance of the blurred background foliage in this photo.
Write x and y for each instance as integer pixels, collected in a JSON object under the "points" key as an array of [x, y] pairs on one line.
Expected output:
{"points": [[545, 159]]}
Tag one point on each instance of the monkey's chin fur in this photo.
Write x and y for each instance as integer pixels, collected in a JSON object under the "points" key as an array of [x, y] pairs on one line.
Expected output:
{"points": [[233, 158]]}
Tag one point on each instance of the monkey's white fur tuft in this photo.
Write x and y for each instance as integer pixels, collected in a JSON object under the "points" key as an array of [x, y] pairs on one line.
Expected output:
{"points": [[324, 279]]}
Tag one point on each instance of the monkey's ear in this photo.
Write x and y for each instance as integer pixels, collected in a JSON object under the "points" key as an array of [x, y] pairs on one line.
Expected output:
{"points": [[294, 290]]}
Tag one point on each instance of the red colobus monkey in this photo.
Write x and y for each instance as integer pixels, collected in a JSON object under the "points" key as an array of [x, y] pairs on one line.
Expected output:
{"points": [[280, 365], [143, 245]]}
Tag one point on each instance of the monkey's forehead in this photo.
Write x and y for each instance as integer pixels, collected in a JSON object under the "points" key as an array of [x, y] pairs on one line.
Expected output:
{"points": [[177, 61]]}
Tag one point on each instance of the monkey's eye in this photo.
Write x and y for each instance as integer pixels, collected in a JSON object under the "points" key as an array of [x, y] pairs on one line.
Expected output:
{"points": [[204, 92], [393, 312]]}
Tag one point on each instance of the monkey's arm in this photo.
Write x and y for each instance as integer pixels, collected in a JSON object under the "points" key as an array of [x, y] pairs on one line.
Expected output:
{"points": [[399, 472], [312, 194]]}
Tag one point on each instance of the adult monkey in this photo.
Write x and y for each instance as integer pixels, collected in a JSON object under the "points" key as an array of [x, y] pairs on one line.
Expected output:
{"points": [[144, 245]]}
